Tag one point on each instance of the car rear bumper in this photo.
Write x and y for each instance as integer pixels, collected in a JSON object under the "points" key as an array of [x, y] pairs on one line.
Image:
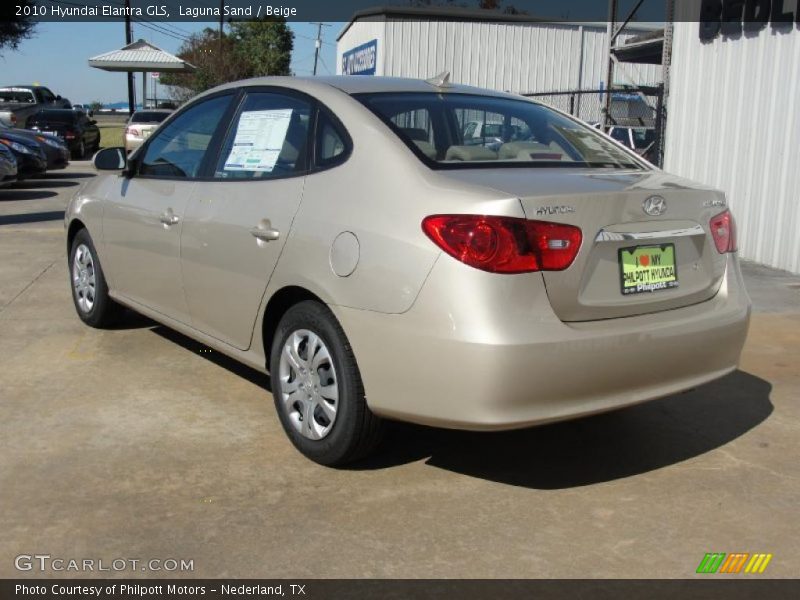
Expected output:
{"points": [[57, 160], [132, 142], [455, 362]]}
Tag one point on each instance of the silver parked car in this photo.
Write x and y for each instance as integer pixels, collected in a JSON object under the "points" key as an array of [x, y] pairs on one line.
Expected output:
{"points": [[339, 234], [141, 124]]}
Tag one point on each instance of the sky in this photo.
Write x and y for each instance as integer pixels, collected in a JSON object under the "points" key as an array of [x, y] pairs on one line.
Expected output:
{"points": [[57, 56]]}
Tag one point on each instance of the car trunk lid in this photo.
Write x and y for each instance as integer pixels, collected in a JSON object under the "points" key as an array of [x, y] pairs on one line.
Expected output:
{"points": [[609, 208]]}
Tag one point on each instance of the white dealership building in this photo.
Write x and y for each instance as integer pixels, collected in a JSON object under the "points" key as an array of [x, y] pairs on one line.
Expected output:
{"points": [[504, 52], [731, 100]]}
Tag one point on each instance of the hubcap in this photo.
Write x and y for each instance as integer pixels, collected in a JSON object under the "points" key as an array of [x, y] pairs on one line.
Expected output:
{"points": [[83, 278], [309, 389]]}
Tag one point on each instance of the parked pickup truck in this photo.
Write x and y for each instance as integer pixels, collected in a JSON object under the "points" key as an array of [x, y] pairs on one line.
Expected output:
{"points": [[18, 102]]}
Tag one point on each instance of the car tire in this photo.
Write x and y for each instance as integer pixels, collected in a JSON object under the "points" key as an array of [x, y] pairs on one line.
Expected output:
{"points": [[80, 151], [320, 398], [88, 284]]}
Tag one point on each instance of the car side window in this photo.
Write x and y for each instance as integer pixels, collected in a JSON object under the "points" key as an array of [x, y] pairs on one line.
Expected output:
{"points": [[178, 149], [268, 138], [330, 141]]}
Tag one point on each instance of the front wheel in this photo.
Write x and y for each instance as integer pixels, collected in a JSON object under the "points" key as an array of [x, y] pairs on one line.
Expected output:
{"points": [[317, 388], [89, 290]]}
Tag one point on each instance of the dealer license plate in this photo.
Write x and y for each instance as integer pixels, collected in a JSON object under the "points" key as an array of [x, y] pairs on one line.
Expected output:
{"points": [[645, 269]]}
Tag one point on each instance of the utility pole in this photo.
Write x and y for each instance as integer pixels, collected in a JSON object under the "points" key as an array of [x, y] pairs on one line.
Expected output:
{"points": [[318, 42], [611, 34], [128, 41]]}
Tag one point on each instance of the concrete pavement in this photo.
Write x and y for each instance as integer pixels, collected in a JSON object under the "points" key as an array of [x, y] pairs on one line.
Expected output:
{"points": [[138, 443]]}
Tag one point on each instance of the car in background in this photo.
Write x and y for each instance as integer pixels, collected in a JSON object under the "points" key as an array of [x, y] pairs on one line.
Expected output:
{"points": [[641, 140], [141, 124], [84, 109], [55, 150], [492, 134], [19, 102], [79, 132], [8, 166], [30, 157], [300, 226]]}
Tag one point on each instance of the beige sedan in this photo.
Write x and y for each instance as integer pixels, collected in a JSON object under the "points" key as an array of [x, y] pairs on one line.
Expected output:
{"points": [[140, 125], [341, 235]]}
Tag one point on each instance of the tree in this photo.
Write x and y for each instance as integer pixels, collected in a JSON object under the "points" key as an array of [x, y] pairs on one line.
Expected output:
{"points": [[265, 47], [251, 49], [13, 28], [95, 106]]}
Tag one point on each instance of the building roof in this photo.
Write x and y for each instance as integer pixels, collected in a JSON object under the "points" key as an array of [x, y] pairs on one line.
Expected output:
{"points": [[140, 56], [448, 13], [644, 49]]}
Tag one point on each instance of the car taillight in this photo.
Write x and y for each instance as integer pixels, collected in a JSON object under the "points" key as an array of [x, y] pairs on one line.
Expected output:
{"points": [[505, 244], [69, 134], [132, 131], [723, 230], [13, 120]]}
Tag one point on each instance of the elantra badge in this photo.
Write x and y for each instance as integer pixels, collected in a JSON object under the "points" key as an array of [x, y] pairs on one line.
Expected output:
{"points": [[655, 206]]}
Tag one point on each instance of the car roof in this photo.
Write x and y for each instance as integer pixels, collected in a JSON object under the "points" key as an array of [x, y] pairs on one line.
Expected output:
{"points": [[363, 84]]}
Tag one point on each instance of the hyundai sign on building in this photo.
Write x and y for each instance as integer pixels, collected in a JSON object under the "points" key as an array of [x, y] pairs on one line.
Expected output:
{"points": [[361, 60]]}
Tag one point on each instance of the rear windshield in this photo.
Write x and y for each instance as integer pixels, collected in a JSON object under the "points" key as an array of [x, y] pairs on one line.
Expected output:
{"points": [[148, 117], [54, 116], [23, 96], [468, 131]]}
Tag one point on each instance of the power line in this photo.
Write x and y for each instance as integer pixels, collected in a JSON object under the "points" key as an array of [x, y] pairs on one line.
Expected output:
{"points": [[324, 65], [154, 27]]}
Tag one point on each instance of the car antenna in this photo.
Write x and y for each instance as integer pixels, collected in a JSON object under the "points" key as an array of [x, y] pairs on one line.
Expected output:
{"points": [[442, 80]]}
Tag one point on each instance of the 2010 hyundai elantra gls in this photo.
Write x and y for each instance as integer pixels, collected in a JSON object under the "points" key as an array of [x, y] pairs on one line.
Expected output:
{"points": [[345, 236]]}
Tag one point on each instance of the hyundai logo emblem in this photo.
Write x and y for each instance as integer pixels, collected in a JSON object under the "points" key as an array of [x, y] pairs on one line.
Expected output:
{"points": [[655, 206]]}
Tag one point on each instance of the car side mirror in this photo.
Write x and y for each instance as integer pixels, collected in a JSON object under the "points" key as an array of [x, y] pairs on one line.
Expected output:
{"points": [[58, 97], [92, 122], [110, 159]]}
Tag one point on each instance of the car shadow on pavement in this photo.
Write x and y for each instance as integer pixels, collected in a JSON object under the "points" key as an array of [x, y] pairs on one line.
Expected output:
{"points": [[594, 449], [32, 184], [232, 365], [11, 194], [65, 175], [37, 217]]}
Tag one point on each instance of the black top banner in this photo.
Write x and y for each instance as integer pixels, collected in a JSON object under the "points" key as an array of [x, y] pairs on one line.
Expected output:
{"points": [[757, 13], [330, 10]]}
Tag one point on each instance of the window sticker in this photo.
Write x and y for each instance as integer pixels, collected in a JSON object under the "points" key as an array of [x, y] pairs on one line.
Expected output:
{"points": [[259, 139]]}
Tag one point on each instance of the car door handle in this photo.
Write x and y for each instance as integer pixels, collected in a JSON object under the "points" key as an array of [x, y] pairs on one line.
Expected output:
{"points": [[265, 234], [169, 218]]}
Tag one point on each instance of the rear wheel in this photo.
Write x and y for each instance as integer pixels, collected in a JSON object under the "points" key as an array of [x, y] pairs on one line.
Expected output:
{"points": [[80, 151], [317, 388], [89, 290]]}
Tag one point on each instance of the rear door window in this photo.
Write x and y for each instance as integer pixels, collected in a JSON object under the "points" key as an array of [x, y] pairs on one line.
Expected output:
{"points": [[269, 138]]}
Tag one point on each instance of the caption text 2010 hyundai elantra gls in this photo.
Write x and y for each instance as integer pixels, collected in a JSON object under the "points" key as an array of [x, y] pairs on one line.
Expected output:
{"points": [[347, 237]]}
